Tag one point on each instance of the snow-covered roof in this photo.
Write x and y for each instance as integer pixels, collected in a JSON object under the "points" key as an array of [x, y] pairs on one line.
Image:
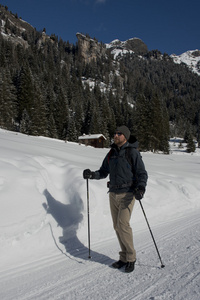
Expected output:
{"points": [[91, 136]]}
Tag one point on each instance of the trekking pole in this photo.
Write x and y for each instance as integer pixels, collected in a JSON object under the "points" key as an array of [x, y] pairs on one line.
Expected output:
{"points": [[88, 212], [162, 265]]}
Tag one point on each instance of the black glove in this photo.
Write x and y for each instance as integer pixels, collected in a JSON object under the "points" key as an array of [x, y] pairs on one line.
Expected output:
{"points": [[139, 192], [88, 174]]}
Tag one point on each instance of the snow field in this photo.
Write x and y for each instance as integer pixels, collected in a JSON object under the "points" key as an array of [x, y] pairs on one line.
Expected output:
{"points": [[43, 225]]}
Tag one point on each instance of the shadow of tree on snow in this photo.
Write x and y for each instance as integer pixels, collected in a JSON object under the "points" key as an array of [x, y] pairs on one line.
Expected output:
{"points": [[68, 217]]}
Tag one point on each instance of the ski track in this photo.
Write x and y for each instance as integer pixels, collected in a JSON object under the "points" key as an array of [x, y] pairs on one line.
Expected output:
{"points": [[95, 279]]}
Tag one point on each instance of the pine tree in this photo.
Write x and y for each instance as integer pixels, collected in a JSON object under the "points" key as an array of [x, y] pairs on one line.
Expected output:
{"points": [[159, 127], [7, 101], [61, 112], [87, 110], [25, 92], [52, 130], [25, 123], [142, 119], [39, 124], [72, 132], [95, 124], [190, 144], [50, 99]]}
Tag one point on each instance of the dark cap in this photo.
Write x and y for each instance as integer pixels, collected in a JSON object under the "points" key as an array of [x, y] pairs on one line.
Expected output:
{"points": [[125, 131]]}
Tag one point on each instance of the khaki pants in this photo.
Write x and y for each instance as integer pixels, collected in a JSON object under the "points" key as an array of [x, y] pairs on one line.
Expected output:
{"points": [[121, 206]]}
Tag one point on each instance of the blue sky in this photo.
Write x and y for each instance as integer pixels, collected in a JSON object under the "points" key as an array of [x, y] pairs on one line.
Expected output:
{"points": [[171, 26]]}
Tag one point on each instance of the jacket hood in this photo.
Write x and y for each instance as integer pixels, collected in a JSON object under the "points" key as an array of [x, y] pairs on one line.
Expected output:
{"points": [[133, 142]]}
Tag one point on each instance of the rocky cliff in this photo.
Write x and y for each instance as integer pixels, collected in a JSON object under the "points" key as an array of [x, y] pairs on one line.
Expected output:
{"points": [[89, 49]]}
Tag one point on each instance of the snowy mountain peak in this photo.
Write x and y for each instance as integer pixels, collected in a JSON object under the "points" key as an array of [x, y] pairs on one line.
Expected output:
{"points": [[191, 58], [133, 45], [119, 43]]}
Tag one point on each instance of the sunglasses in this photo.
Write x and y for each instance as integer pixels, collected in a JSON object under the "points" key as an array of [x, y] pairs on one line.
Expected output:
{"points": [[118, 133]]}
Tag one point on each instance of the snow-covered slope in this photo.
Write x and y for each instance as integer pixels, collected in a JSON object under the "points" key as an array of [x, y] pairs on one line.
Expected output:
{"points": [[44, 229], [190, 58]]}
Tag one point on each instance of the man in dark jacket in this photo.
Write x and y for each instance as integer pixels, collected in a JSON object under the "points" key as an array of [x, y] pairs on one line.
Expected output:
{"points": [[128, 179]]}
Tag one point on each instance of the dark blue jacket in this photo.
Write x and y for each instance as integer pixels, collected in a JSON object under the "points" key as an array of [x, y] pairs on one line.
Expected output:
{"points": [[124, 177]]}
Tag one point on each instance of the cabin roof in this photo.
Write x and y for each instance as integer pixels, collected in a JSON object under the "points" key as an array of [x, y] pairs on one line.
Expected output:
{"points": [[91, 137]]}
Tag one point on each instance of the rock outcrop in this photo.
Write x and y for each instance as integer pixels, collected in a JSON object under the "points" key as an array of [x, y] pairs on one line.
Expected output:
{"points": [[89, 49], [134, 44]]}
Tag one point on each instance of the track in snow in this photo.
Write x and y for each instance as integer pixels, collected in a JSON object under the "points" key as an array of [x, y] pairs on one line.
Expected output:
{"points": [[73, 276]]}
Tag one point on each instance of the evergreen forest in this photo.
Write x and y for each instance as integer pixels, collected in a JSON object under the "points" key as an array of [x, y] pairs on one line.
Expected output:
{"points": [[48, 89]]}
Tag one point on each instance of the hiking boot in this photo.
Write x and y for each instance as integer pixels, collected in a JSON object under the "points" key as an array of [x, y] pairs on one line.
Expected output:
{"points": [[118, 264], [130, 265]]}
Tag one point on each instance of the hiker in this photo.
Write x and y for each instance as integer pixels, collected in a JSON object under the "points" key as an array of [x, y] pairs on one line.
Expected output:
{"points": [[128, 179]]}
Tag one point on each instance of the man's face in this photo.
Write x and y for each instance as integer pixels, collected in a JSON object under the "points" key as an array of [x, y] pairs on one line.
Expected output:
{"points": [[119, 139]]}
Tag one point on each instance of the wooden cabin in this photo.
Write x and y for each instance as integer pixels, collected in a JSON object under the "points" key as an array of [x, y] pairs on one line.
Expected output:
{"points": [[94, 140]]}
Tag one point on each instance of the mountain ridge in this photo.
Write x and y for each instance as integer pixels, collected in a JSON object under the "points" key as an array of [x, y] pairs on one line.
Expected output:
{"points": [[191, 58], [135, 45]]}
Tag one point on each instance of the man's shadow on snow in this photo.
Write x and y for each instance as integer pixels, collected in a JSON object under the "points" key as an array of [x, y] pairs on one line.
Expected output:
{"points": [[68, 217]]}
